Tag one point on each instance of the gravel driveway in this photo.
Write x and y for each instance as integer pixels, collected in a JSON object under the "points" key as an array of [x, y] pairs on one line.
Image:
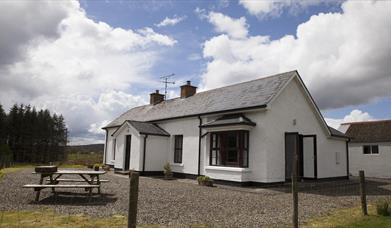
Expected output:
{"points": [[183, 202]]}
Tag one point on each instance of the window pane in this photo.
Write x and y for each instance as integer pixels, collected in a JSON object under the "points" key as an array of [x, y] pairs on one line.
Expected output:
{"points": [[232, 156], [375, 149], [178, 144], [366, 149]]}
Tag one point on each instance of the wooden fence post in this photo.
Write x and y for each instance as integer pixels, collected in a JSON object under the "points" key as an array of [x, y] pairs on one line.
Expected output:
{"points": [[363, 193], [133, 197], [295, 196]]}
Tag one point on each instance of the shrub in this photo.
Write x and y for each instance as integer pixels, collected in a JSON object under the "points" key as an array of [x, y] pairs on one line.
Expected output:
{"points": [[205, 180], [382, 207], [167, 170]]}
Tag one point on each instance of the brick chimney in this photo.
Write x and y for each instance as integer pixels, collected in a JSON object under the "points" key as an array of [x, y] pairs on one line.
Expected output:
{"points": [[156, 98], [188, 90]]}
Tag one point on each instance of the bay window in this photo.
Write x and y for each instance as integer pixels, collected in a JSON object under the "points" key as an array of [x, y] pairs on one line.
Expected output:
{"points": [[229, 148]]}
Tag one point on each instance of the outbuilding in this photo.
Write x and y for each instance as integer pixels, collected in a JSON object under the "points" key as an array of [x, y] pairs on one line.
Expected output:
{"points": [[369, 147]]}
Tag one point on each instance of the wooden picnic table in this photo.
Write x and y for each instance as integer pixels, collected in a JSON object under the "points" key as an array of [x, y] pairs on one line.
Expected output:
{"points": [[90, 177]]}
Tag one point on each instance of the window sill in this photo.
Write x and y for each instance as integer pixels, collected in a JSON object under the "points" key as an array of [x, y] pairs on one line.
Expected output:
{"points": [[177, 164], [229, 169]]}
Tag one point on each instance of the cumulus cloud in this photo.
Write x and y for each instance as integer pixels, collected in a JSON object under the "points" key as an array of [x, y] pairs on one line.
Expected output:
{"points": [[170, 21], [354, 116], [18, 28], [85, 69], [274, 8], [342, 57], [235, 28]]}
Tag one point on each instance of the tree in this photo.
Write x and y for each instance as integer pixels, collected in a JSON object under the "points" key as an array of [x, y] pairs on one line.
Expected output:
{"points": [[3, 126], [33, 136]]}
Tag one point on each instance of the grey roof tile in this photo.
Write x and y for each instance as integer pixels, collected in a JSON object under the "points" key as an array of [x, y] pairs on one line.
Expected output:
{"points": [[235, 119], [242, 95], [145, 128]]}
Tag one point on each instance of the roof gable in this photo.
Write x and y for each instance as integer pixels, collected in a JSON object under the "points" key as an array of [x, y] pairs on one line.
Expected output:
{"points": [[251, 94], [142, 128]]}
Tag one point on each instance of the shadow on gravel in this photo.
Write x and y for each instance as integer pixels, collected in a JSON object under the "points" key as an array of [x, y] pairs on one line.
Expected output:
{"points": [[340, 188], [76, 199]]}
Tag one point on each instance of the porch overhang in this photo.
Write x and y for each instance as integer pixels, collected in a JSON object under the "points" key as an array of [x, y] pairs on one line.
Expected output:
{"points": [[229, 122]]}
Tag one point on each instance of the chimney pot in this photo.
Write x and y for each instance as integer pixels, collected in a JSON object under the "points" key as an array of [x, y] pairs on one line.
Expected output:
{"points": [[188, 90], [156, 98]]}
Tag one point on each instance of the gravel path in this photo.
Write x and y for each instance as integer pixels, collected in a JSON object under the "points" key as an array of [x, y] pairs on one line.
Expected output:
{"points": [[183, 202]]}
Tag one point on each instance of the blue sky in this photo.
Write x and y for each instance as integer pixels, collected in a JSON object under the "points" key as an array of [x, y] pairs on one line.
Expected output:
{"points": [[93, 60], [192, 32]]}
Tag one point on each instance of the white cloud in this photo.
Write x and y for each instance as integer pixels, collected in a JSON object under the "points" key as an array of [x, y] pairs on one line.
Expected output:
{"points": [[84, 69], [194, 57], [354, 116], [274, 8], [342, 57], [235, 28], [170, 21]]}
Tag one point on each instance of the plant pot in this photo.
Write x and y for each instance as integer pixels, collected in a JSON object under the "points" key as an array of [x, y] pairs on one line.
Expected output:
{"points": [[96, 168], [208, 183]]}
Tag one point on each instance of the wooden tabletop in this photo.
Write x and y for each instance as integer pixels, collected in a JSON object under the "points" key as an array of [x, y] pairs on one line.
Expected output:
{"points": [[87, 172]]}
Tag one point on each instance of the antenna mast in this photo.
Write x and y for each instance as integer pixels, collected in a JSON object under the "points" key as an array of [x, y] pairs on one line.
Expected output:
{"points": [[166, 82]]}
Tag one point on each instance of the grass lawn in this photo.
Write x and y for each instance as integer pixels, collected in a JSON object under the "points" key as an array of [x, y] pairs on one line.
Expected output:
{"points": [[351, 218], [18, 167], [46, 218]]}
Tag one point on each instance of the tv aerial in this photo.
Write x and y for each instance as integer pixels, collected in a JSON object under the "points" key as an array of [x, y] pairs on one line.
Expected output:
{"points": [[165, 80]]}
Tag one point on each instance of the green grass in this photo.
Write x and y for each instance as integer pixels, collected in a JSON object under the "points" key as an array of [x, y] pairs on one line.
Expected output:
{"points": [[84, 158], [21, 166], [46, 218], [349, 218]]}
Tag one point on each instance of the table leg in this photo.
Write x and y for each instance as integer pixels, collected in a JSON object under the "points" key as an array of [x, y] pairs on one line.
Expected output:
{"points": [[98, 183], [52, 182], [39, 190]]}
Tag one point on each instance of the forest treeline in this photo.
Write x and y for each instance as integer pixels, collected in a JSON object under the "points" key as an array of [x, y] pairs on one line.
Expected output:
{"points": [[30, 135]]}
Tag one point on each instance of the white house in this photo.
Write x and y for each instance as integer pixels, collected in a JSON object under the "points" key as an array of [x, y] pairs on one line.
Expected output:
{"points": [[369, 147], [245, 133]]}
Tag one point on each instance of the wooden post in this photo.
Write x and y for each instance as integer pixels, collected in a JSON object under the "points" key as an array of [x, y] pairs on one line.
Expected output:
{"points": [[133, 197], [295, 196], [363, 193]]}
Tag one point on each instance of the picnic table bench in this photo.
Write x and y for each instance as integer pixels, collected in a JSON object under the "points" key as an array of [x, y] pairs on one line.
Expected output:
{"points": [[89, 177]]}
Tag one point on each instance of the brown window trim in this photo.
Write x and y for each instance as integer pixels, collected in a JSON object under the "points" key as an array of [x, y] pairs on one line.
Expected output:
{"points": [[178, 148], [221, 149]]}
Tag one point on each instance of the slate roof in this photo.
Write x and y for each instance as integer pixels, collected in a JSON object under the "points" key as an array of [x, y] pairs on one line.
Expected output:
{"points": [[370, 131], [146, 128], [250, 94], [229, 120]]}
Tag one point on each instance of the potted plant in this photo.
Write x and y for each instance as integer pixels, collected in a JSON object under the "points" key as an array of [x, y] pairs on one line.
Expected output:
{"points": [[205, 181], [96, 167], [167, 171]]}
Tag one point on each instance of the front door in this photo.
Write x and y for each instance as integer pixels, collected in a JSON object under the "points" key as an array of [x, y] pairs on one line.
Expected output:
{"points": [[309, 156], [127, 151]]}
